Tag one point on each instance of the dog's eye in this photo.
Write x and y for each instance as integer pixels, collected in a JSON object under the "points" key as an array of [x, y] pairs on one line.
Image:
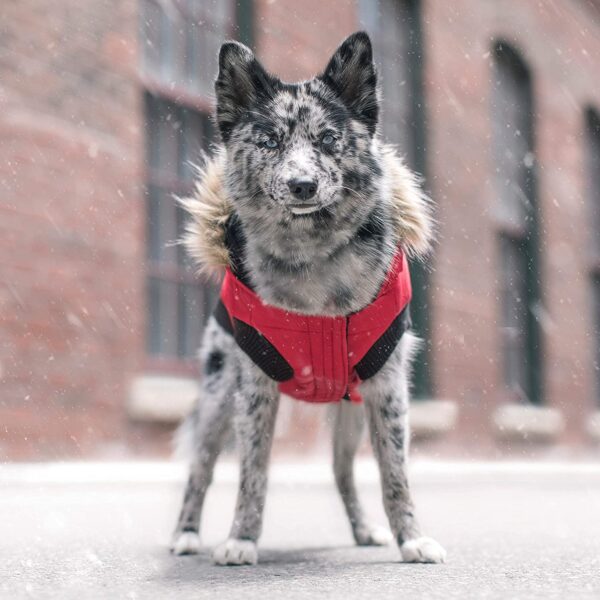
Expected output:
{"points": [[271, 143], [327, 139]]}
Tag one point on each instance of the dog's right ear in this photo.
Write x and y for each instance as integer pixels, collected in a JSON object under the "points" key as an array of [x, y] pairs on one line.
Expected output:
{"points": [[240, 82]]}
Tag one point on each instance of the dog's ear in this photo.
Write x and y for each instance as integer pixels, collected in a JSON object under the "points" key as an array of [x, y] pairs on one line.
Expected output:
{"points": [[352, 75], [240, 82]]}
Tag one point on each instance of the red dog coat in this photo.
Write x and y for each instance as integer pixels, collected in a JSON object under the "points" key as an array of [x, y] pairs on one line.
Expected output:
{"points": [[318, 359]]}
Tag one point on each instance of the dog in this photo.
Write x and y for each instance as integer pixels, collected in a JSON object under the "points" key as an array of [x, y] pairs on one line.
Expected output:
{"points": [[311, 216]]}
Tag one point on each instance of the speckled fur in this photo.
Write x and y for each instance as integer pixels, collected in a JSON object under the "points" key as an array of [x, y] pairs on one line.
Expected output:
{"points": [[329, 262]]}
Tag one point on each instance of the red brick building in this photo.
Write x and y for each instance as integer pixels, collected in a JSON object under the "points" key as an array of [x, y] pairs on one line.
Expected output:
{"points": [[102, 106]]}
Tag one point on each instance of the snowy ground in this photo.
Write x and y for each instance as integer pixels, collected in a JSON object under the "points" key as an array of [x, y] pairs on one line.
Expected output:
{"points": [[101, 531]]}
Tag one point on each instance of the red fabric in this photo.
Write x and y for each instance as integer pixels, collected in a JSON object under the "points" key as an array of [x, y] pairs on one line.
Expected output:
{"points": [[322, 351]]}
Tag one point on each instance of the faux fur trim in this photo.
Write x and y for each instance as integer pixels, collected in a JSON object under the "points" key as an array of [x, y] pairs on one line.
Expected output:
{"points": [[209, 209], [413, 209]]}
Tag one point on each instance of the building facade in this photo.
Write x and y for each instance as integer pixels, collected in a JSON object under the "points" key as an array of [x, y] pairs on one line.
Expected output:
{"points": [[104, 108]]}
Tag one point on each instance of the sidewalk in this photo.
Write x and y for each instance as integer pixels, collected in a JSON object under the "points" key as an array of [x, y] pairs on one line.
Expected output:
{"points": [[100, 530]]}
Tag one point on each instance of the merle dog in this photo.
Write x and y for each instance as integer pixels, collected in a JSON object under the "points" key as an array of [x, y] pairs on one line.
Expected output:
{"points": [[320, 207]]}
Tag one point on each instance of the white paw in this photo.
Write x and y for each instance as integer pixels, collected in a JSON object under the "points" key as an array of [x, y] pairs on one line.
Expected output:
{"points": [[372, 535], [422, 550], [187, 542], [235, 552]]}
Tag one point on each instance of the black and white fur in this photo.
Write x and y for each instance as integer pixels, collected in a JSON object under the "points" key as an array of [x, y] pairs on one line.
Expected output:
{"points": [[323, 255]]}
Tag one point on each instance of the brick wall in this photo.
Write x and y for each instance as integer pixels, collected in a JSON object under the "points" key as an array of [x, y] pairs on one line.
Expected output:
{"points": [[72, 215], [71, 229], [559, 42]]}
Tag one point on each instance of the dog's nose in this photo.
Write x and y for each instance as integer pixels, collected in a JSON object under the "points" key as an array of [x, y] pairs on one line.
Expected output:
{"points": [[302, 188]]}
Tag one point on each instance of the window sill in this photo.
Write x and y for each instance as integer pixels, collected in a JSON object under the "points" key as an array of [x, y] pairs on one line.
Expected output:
{"points": [[161, 398], [432, 418], [520, 422], [592, 426]]}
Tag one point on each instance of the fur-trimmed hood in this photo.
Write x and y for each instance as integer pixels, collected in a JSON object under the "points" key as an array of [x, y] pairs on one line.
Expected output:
{"points": [[209, 209]]}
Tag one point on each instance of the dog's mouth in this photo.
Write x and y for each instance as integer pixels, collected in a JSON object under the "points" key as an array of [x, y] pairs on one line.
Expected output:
{"points": [[304, 209]]}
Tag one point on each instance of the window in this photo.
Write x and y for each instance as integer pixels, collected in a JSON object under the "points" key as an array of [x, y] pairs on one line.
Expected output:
{"points": [[180, 40], [395, 28], [516, 213], [177, 303], [593, 194]]}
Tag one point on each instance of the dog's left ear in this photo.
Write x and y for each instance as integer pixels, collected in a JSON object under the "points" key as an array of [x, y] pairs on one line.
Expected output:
{"points": [[352, 75]]}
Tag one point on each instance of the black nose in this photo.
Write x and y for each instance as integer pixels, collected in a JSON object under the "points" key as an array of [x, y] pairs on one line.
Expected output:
{"points": [[303, 188]]}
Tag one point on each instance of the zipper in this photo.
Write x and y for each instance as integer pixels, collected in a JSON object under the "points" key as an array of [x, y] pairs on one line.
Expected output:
{"points": [[346, 395]]}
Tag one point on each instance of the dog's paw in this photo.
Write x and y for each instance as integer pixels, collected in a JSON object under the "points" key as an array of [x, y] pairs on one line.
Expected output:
{"points": [[372, 535], [235, 552], [422, 550], [185, 542]]}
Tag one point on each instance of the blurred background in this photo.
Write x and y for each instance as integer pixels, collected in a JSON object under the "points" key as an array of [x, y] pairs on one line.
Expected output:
{"points": [[104, 104]]}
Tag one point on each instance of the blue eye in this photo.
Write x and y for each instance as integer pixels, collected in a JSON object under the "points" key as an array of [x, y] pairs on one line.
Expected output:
{"points": [[271, 143], [327, 139]]}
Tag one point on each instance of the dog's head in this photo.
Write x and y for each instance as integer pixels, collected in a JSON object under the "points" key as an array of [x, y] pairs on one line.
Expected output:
{"points": [[297, 150]]}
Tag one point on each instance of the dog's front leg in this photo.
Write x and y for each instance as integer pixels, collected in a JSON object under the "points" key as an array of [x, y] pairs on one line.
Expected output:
{"points": [[386, 401], [256, 402]]}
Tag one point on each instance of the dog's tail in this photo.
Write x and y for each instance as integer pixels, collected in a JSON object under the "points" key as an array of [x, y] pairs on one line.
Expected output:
{"points": [[184, 438]]}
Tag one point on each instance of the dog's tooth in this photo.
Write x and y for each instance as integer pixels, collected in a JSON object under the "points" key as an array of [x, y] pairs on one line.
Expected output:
{"points": [[304, 210]]}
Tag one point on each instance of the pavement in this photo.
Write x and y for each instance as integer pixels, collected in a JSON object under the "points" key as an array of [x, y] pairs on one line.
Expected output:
{"points": [[101, 530]]}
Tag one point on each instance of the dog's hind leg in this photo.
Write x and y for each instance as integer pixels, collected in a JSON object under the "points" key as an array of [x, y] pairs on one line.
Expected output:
{"points": [[209, 425], [386, 402], [256, 403], [348, 428]]}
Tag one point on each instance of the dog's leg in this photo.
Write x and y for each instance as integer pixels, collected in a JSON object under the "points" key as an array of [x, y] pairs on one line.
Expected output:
{"points": [[207, 427], [209, 434], [347, 434], [256, 403], [386, 401]]}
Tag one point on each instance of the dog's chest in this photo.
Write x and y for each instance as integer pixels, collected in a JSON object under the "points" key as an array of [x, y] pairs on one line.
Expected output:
{"points": [[339, 286]]}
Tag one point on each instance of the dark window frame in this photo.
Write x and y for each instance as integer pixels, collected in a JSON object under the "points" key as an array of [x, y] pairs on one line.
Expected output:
{"points": [[175, 294], [415, 137], [162, 83], [592, 175], [517, 224]]}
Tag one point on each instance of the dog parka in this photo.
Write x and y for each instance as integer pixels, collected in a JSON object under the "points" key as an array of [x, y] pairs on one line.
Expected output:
{"points": [[313, 358], [318, 358]]}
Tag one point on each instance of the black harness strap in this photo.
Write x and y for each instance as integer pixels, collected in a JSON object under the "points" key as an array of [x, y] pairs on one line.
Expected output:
{"points": [[262, 352], [235, 240], [255, 345], [382, 349], [222, 317]]}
